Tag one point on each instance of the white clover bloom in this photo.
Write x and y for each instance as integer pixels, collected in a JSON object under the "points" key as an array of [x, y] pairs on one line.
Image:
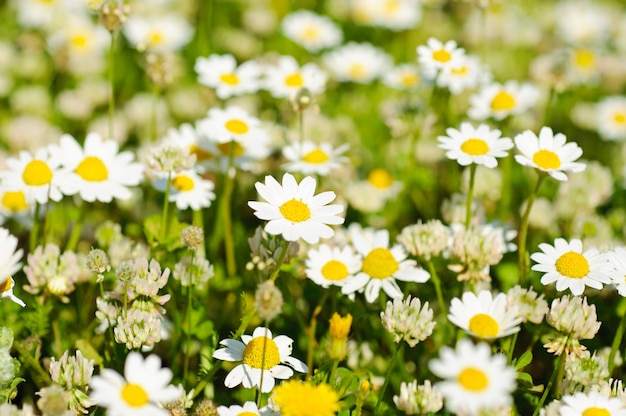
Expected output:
{"points": [[331, 266], [254, 364], [474, 379], [408, 320], [417, 399], [311, 31], [286, 78], [426, 240], [566, 264], [484, 316], [382, 266], [311, 158], [575, 319], [479, 145], [611, 118], [549, 153], [531, 306], [436, 55], [160, 34], [294, 211], [499, 101], [221, 73], [357, 62], [99, 171], [143, 389]]}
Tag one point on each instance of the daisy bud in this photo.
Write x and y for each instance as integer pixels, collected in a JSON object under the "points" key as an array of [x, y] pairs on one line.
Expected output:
{"points": [[417, 399], [192, 237], [407, 320], [268, 300], [302, 100], [339, 329]]}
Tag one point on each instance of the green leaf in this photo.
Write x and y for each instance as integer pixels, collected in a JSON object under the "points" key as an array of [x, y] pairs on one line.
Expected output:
{"points": [[151, 227], [523, 360], [89, 351], [524, 380]]}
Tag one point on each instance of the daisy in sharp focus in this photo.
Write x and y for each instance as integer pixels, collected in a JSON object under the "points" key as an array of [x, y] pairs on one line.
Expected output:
{"points": [[382, 266], [474, 380], [611, 118], [99, 171], [285, 79], [250, 352], [499, 101], [221, 73], [311, 158], [142, 391], [484, 316], [188, 190], [566, 264], [294, 211], [548, 153], [331, 266], [9, 265], [590, 404], [479, 145], [160, 34], [311, 31], [436, 55], [357, 62]]}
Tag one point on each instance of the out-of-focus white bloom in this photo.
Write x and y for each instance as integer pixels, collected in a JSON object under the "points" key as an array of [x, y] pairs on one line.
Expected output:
{"points": [[417, 399], [80, 38], [499, 101], [188, 189], [466, 74], [479, 145], [583, 193], [286, 78], [221, 73], [357, 62], [396, 15], [161, 34], [582, 22], [611, 118], [46, 13], [311, 31], [436, 55], [404, 77], [311, 158], [617, 258], [590, 403]]}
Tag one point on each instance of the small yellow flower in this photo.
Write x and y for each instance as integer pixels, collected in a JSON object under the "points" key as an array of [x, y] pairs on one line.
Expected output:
{"points": [[296, 398], [340, 326]]}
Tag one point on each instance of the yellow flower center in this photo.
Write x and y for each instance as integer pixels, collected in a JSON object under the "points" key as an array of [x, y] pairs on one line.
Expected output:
{"points": [[155, 38], [316, 156], [409, 79], [183, 183], [134, 395], [236, 126], [473, 379], [247, 414], [311, 33], [483, 325], [584, 58], [334, 270], [6, 285], [620, 118], [340, 326], [253, 353], [200, 153], [573, 265], [380, 178], [294, 80], [79, 40], [475, 146], [462, 70], [547, 159], [92, 169], [596, 411], [230, 79], [297, 398], [442, 55], [295, 211], [391, 6], [225, 149], [357, 70], [37, 173], [379, 263], [503, 101], [14, 201]]}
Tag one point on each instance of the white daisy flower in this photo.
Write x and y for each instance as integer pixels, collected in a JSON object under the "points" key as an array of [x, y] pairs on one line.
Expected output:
{"points": [[548, 153], [6, 291], [221, 73], [286, 78], [46, 13], [617, 258], [583, 22], [357, 62], [248, 409], [566, 264], [466, 74], [382, 265], [592, 403], [474, 380], [405, 77], [384, 183], [187, 190], [396, 15], [294, 211], [331, 266], [479, 145], [611, 118], [500, 101], [160, 34], [143, 389], [80, 38], [40, 176], [311, 158], [232, 124], [311, 31], [99, 171], [436, 55], [484, 316], [254, 362], [187, 138], [9, 265], [14, 204]]}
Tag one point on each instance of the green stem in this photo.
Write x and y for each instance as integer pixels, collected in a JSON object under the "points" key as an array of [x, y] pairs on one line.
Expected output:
{"points": [[552, 96], [393, 360], [312, 328], [617, 341], [112, 84], [260, 396], [435, 278], [198, 221], [470, 196], [281, 259], [72, 242], [229, 244], [188, 323], [560, 362], [41, 376], [522, 260], [512, 343], [154, 117], [34, 231], [165, 213]]}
